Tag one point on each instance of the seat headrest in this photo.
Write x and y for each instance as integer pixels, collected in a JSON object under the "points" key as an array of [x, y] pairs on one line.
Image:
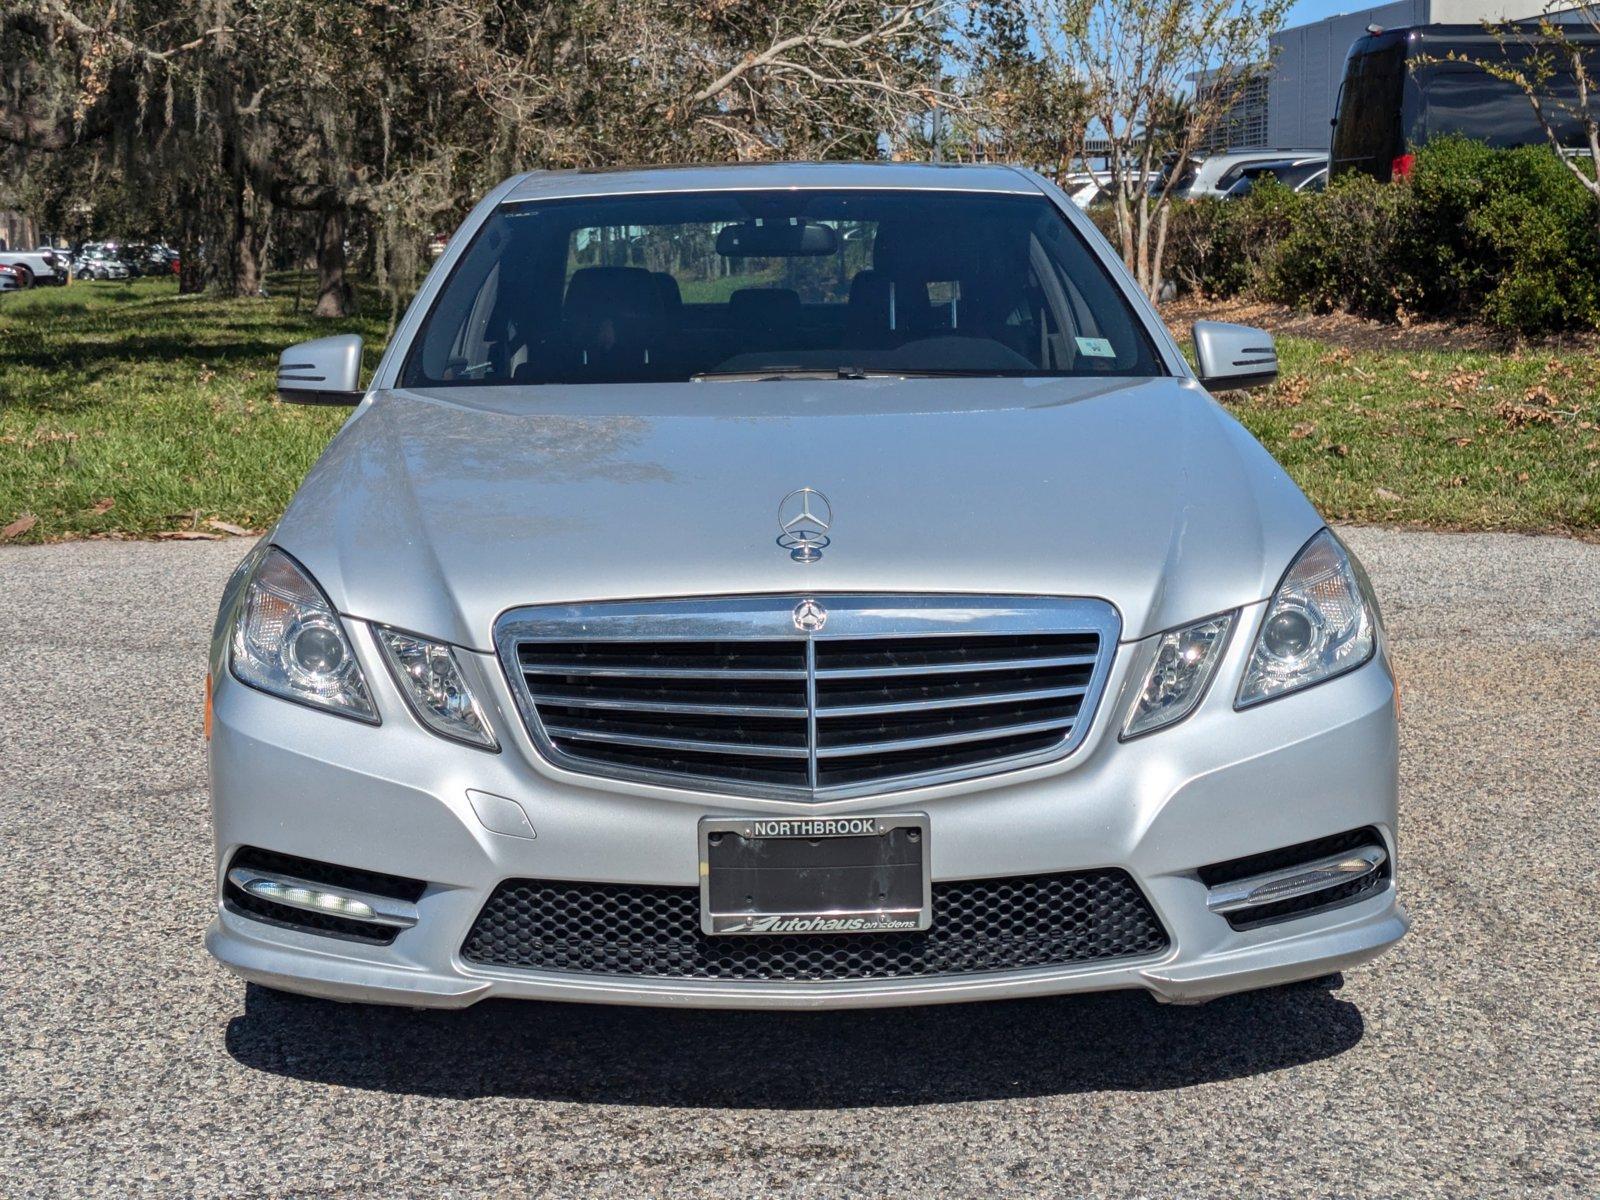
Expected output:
{"points": [[671, 293], [768, 307], [620, 293]]}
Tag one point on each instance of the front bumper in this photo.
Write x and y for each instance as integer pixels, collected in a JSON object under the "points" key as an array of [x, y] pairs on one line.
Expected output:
{"points": [[394, 799]]}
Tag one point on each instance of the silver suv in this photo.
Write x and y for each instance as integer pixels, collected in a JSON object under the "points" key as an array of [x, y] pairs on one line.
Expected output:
{"points": [[794, 587]]}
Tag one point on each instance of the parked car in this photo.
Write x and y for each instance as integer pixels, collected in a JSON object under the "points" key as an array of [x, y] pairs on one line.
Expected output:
{"points": [[864, 603], [10, 279], [1304, 175], [1405, 86], [1087, 188], [100, 262], [42, 267], [1214, 174]]}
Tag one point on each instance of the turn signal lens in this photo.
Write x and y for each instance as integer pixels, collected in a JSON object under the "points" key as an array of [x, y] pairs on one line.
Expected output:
{"points": [[431, 679], [1178, 675]]}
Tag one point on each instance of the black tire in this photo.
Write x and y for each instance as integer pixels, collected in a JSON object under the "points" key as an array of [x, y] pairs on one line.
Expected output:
{"points": [[27, 276]]}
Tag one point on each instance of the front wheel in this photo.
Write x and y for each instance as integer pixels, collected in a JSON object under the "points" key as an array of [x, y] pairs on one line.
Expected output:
{"points": [[26, 277]]}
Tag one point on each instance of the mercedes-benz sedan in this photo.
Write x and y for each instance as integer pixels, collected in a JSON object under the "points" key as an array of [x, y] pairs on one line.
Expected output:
{"points": [[795, 586]]}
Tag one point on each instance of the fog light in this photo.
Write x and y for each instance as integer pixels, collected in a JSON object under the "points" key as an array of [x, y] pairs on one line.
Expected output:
{"points": [[297, 896]]}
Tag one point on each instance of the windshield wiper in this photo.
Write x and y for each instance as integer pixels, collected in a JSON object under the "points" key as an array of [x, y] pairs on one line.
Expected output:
{"points": [[764, 374], [776, 373]]}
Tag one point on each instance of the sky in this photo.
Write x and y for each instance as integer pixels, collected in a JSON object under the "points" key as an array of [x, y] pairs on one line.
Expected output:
{"points": [[1315, 10]]}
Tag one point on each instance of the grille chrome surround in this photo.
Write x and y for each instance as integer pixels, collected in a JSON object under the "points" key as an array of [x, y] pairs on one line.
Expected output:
{"points": [[725, 695]]}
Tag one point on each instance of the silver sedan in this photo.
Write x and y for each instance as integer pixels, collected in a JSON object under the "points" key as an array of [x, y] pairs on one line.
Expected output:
{"points": [[795, 586]]}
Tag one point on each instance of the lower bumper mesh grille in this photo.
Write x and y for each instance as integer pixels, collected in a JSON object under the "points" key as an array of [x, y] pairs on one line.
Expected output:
{"points": [[978, 925]]}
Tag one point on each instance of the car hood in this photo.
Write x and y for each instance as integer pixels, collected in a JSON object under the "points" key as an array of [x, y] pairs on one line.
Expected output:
{"points": [[438, 511]]}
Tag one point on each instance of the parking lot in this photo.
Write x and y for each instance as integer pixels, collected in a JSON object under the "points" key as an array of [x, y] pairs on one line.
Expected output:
{"points": [[1465, 1062]]}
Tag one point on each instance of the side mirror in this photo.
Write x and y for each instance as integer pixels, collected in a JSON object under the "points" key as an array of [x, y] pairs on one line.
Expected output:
{"points": [[1234, 356], [324, 371]]}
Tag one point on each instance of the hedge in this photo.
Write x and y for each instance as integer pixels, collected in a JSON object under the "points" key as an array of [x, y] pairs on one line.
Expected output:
{"points": [[1505, 237]]}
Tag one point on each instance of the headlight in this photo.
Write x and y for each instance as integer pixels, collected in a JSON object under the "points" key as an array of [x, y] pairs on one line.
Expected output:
{"points": [[431, 679], [1184, 662], [287, 640], [1322, 622]]}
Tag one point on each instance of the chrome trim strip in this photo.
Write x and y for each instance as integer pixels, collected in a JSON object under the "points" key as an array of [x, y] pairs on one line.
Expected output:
{"points": [[397, 914], [973, 701], [993, 733], [687, 707], [1270, 887], [651, 742], [660, 672], [769, 618], [997, 664]]}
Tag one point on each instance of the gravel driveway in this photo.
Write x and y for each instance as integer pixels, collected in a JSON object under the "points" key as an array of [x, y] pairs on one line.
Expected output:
{"points": [[1465, 1062]]}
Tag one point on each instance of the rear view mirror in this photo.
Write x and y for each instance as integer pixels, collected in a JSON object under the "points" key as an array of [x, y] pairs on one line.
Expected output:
{"points": [[776, 239], [324, 371], [1234, 356]]}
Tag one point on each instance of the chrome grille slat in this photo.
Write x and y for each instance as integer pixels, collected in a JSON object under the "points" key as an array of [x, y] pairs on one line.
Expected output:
{"points": [[659, 672], [725, 694], [848, 749], [973, 700], [1000, 664], [687, 708], [669, 743]]}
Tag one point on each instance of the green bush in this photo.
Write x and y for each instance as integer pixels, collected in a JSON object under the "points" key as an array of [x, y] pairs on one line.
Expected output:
{"points": [[1507, 237], [1221, 247], [1349, 249]]}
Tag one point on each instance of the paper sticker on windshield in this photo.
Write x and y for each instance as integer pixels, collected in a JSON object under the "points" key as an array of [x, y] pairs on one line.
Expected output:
{"points": [[1095, 347]]}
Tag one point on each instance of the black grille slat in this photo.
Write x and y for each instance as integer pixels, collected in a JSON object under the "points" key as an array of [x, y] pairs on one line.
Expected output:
{"points": [[978, 926], [898, 708]]}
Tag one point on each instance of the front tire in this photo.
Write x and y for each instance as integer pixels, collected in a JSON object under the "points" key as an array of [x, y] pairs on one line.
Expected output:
{"points": [[26, 279]]}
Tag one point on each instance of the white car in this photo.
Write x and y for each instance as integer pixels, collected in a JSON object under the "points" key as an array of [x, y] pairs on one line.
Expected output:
{"points": [[1215, 174], [37, 266]]}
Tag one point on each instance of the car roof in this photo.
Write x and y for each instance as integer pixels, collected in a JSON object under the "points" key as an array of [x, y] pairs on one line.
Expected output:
{"points": [[545, 185]]}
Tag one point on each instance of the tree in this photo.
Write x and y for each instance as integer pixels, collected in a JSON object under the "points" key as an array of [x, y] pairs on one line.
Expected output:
{"points": [[380, 122], [1159, 76], [1557, 72]]}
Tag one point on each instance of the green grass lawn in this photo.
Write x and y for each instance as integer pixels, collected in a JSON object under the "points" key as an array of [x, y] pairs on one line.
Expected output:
{"points": [[126, 409]]}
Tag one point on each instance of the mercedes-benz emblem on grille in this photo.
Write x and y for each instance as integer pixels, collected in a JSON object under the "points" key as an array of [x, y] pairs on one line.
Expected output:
{"points": [[809, 616], [804, 517]]}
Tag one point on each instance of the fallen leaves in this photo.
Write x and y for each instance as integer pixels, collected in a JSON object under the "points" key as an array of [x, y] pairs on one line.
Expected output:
{"points": [[186, 535], [1384, 493], [102, 506], [1302, 430], [1520, 415], [18, 527]]}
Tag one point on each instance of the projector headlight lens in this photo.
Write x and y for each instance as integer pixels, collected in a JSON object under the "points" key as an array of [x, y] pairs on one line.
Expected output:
{"points": [[1321, 622], [287, 640]]}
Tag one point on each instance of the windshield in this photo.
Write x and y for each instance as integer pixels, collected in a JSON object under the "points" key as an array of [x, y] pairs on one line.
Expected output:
{"points": [[680, 286]]}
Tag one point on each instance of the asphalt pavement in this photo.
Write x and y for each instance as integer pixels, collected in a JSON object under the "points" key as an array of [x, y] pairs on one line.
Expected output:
{"points": [[1463, 1063]]}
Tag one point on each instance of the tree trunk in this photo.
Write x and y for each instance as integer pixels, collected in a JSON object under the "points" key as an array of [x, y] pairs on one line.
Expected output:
{"points": [[333, 293], [244, 263], [191, 279]]}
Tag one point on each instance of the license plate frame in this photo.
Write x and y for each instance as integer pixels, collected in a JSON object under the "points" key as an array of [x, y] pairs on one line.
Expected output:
{"points": [[897, 864]]}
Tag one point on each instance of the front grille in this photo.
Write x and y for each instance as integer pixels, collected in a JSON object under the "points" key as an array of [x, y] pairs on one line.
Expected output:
{"points": [[978, 925], [892, 692], [1290, 856]]}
